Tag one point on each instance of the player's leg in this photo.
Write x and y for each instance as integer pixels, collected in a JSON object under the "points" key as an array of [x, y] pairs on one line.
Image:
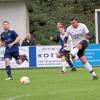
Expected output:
{"points": [[88, 67], [71, 65], [63, 60], [58, 55], [83, 59], [7, 57], [16, 56], [8, 69], [66, 57], [76, 49], [82, 45], [64, 64], [19, 58]]}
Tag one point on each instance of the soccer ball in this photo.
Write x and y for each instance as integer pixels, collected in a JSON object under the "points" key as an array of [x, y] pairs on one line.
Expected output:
{"points": [[24, 80]]}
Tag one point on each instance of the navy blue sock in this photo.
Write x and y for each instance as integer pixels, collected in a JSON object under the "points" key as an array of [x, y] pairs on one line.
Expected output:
{"points": [[8, 70], [70, 63]]}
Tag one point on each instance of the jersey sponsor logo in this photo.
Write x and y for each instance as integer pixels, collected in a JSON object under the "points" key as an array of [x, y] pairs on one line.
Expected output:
{"points": [[9, 34], [77, 36]]}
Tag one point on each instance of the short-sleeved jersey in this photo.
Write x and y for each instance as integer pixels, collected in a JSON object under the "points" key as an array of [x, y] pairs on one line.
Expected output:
{"points": [[77, 34], [9, 37], [67, 40]]}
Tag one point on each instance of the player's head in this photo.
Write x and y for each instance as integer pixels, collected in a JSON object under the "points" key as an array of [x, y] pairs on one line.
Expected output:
{"points": [[74, 22], [62, 30], [5, 25], [58, 25]]}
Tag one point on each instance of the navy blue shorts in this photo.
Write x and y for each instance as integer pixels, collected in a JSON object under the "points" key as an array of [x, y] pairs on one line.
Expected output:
{"points": [[65, 52], [14, 54]]}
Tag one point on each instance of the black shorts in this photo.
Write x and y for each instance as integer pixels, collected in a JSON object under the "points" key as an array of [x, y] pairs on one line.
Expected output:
{"points": [[84, 44]]}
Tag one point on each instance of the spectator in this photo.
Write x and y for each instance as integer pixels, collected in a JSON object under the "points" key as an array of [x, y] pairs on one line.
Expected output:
{"points": [[29, 40]]}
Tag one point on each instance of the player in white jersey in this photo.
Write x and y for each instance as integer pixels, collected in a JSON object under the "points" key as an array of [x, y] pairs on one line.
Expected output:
{"points": [[67, 46], [64, 51], [79, 33]]}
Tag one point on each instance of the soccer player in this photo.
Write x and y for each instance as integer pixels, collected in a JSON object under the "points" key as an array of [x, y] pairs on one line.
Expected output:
{"points": [[11, 42], [79, 33], [65, 48], [58, 39]]}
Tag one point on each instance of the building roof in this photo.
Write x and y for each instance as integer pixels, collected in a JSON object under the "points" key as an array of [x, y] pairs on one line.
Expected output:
{"points": [[28, 4]]}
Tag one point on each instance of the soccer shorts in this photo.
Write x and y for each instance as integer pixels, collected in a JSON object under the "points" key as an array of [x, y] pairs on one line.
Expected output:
{"points": [[14, 54], [84, 44]]}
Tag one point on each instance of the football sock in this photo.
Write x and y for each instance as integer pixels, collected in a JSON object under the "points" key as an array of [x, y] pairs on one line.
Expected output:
{"points": [[74, 51], [70, 63], [93, 73], [64, 66], [8, 71], [90, 69]]}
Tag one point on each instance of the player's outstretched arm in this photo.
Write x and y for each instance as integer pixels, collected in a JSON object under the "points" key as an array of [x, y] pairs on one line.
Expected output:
{"points": [[51, 37], [55, 38], [87, 35]]}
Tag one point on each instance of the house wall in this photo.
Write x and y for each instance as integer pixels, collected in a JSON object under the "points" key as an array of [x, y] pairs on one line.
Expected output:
{"points": [[17, 14]]}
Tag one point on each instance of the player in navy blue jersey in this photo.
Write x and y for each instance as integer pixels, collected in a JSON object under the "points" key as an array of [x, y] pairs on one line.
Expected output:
{"points": [[10, 39]]}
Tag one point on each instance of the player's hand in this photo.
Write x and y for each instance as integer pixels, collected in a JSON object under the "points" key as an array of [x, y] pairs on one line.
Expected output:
{"points": [[51, 37], [86, 35], [10, 45]]}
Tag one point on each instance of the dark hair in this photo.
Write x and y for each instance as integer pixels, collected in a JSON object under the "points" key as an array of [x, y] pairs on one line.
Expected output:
{"points": [[62, 27], [74, 18], [5, 22]]}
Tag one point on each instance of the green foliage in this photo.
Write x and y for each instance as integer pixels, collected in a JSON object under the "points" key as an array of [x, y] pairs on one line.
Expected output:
{"points": [[47, 12]]}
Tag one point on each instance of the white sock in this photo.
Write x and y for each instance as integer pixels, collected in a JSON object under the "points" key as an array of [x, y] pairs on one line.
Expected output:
{"points": [[64, 66], [74, 51], [89, 68], [93, 73]]}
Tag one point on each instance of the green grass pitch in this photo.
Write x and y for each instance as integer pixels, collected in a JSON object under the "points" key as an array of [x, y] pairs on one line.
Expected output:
{"points": [[50, 84]]}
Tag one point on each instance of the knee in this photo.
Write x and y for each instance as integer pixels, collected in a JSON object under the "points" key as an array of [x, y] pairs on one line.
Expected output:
{"points": [[63, 58], [58, 55], [7, 62], [19, 61]]}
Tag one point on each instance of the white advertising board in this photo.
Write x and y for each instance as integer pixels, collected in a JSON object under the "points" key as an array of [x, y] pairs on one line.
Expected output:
{"points": [[46, 56], [22, 50], [2, 63]]}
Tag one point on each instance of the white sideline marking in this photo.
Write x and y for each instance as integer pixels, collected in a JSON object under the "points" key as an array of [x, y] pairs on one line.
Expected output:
{"points": [[17, 97]]}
